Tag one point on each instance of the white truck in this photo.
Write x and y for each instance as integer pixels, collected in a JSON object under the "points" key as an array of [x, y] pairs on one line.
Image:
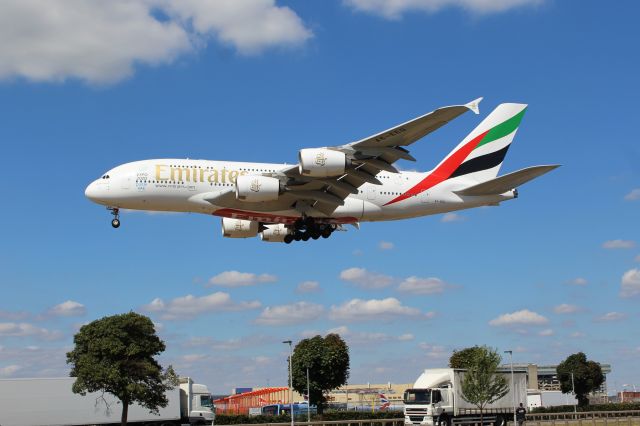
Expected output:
{"points": [[35, 402], [436, 400]]}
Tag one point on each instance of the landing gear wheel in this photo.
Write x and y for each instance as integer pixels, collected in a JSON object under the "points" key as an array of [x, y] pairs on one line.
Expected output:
{"points": [[298, 224], [309, 222], [326, 232], [116, 216], [305, 236], [297, 236], [315, 233], [288, 238]]}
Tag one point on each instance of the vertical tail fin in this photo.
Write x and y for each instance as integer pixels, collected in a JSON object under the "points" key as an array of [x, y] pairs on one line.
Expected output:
{"points": [[480, 155]]}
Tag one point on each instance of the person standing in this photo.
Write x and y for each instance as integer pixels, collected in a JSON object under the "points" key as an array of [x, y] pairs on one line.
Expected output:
{"points": [[521, 414]]}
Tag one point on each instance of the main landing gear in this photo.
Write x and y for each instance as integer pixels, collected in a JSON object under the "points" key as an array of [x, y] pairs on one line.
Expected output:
{"points": [[116, 216], [307, 228]]}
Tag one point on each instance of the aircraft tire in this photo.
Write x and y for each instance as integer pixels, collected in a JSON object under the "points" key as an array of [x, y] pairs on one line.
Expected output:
{"points": [[305, 236], [288, 238], [115, 223], [326, 232], [297, 236]]}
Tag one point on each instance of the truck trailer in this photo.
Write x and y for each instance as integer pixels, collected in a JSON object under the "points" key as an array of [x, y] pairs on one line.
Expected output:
{"points": [[50, 401], [436, 400]]}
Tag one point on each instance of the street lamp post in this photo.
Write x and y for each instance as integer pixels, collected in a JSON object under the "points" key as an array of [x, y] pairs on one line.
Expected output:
{"points": [[308, 399], [513, 391], [289, 342], [573, 389]]}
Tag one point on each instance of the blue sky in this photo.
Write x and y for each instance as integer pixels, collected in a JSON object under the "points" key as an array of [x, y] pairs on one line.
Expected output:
{"points": [[551, 273]]}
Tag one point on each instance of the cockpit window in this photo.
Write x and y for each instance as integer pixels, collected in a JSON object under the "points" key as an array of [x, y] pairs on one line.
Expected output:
{"points": [[105, 177]]}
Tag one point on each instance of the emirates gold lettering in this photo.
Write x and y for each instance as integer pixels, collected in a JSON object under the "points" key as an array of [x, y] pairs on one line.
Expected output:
{"points": [[165, 173]]}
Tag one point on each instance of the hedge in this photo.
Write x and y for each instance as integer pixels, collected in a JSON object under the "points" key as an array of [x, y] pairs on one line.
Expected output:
{"points": [[594, 407], [234, 419]]}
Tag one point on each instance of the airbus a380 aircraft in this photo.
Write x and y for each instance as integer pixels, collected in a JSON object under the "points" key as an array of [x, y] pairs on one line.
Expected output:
{"points": [[330, 186]]}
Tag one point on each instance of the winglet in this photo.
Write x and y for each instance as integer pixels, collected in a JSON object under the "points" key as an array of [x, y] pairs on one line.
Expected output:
{"points": [[474, 105]]}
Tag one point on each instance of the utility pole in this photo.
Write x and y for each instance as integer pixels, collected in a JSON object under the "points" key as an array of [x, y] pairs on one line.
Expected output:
{"points": [[513, 391], [290, 378]]}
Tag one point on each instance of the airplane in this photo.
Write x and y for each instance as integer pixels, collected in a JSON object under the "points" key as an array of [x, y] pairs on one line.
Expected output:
{"points": [[330, 187]]}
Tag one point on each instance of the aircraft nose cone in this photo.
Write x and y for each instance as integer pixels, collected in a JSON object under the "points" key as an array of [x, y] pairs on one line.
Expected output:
{"points": [[91, 192]]}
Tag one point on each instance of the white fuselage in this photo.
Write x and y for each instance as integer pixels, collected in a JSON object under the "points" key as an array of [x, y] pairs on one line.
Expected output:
{"points": [[184, 185]]}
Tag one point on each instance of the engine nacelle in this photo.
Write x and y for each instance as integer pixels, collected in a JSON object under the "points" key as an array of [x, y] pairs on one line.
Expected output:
{"points": [[255, 189], [238, 228], [320, 162], [275, 233]]}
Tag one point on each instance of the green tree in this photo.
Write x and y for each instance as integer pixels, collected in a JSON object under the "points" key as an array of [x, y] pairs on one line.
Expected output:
{"points": [[328, 362], [481, 385], [115, 354], [587, 376], [464, 357]]}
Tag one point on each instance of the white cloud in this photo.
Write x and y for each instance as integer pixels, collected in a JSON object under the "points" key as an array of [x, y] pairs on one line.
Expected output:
{"points": [[308, 287], [290, 314], [546, 332], [577, 334], [364, 338], [417, 285], [394, 9], [566, 308], [14, 315], [630, 286], [523, 317], [68, 309], [611, 316], [188, 307], [618, 244], [634, 195], [102, 41], [452, 217], [366, 279], [23, 329], [386, 245], [435, 351], [373, 309], [240, 279], [9, 370], [578, 282]]}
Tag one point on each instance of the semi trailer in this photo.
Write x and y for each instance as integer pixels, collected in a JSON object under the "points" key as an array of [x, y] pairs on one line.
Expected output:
{"points": [[50, 401], [436, 399]]}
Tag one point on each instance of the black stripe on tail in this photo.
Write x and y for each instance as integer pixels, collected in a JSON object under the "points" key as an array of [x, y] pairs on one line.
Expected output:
{"points": [[483, 162]]}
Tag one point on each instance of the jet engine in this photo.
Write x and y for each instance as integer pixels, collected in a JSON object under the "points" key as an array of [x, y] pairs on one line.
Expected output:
{"points": [[255, 189], [238, 228], [320, 162], [275, 233]]}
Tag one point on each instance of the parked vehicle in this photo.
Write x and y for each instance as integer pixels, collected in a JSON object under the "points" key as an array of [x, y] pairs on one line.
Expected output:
{"points": [[50, 401], [436, 399]]}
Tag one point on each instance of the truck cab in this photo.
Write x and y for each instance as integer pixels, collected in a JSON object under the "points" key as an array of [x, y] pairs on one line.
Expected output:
{"points": [[427, 406], [196, 403]]}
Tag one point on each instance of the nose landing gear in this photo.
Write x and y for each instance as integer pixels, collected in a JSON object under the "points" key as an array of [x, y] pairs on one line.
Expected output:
{"points": [[116, 216]]}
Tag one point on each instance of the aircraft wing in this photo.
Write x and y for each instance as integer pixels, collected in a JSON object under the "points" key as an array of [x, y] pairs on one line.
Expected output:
{"points": [[366, 158]]}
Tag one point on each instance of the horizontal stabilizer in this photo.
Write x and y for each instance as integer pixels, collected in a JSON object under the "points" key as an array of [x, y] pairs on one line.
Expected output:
{"points": [[507, 182]]}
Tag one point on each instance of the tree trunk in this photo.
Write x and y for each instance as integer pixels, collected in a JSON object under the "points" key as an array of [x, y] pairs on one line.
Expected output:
{"points": [[125, 413], [481, 418]]}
